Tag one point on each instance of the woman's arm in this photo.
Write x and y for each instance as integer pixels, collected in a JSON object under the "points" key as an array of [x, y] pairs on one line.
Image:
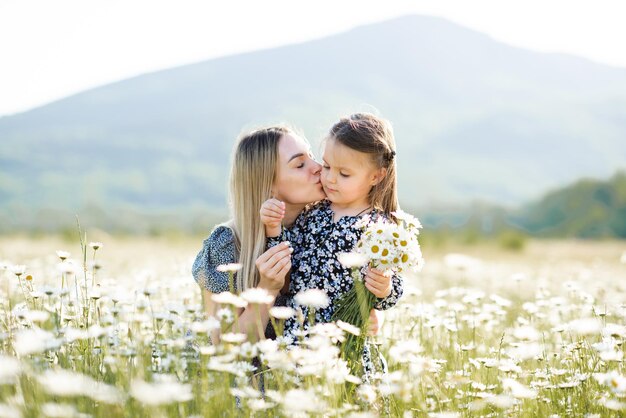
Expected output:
{"points": [[250, 321], [377, 318], [273, 265]]}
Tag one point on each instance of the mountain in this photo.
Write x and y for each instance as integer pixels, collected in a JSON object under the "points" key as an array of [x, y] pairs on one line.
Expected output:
{"points": [[473, 118]]}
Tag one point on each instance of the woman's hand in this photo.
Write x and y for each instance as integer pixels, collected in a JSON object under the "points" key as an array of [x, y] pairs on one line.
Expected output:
{"points": [[272, 214], [378, 282], [273, 265]]}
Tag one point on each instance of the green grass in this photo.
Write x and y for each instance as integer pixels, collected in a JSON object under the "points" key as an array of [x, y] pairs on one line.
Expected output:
{"points": [[491, 333]]}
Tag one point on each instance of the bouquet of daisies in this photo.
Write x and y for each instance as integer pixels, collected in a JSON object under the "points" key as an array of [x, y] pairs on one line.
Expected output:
{"points": [[385, 244]]}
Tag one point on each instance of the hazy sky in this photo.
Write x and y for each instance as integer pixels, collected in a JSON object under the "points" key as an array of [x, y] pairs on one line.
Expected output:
{"points": [[53, 48]]}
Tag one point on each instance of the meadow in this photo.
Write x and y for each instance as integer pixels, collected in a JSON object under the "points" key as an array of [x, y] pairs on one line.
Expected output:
{"points": [[481, 331]]}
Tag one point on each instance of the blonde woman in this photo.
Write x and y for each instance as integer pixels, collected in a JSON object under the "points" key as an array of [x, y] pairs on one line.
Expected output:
{"points": [[267, 162]]}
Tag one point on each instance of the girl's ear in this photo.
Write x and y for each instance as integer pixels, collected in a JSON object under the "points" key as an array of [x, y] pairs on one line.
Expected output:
{"points": [[378, 176]]}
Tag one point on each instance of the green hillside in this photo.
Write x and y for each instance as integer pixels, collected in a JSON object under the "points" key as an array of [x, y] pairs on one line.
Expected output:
{"points": [[586, 209], [474, 119]]}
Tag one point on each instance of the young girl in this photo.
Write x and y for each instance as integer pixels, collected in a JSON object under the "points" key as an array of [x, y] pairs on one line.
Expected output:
{"points": [[359, 178]]}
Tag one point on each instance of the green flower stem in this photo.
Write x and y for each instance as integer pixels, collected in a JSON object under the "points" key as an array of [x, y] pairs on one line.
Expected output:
{"points": [[354, 308]]}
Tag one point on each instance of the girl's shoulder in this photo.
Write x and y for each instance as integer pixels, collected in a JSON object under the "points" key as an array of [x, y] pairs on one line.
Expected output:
{"points": [[312, 210], [316, 207], [376, 215]]}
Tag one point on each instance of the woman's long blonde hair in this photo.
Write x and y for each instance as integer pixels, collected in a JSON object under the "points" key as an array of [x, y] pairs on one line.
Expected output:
{"points": [[252, 176]]}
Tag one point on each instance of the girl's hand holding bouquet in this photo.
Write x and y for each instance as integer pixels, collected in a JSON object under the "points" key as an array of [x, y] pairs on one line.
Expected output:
{"points": [[387, 247]]}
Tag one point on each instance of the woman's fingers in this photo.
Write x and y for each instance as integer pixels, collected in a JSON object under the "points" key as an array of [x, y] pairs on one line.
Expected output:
{"points": [[278, 266], [285, 270], [274, 277], [283, 246], [274, 260], [280, 255], [282, 270]]}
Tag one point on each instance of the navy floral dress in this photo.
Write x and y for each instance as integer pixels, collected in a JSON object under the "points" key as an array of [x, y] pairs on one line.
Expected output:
{"points": [[317, 240]]}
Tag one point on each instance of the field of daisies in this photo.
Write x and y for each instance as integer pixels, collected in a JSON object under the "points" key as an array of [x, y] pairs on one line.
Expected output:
{"points": [[115, 328]]}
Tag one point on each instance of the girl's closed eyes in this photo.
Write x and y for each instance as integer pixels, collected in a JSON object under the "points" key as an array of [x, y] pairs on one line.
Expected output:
{"points": [[327, 167]]}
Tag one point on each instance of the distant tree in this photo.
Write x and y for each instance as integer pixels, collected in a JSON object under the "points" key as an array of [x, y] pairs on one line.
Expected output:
{"points": [[585, 209]]}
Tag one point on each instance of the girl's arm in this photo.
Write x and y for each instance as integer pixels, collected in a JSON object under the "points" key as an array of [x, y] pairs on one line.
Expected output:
{"points": [[294, 234], [396, 293], [272, 213]]}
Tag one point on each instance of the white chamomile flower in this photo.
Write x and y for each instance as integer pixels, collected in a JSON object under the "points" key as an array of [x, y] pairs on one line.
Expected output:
{"points": [[282, 312], [353, 259], [314, 298], [18, 269], [257, 295], [229, 299], [349, 328], [63, 254], [229, 268]]}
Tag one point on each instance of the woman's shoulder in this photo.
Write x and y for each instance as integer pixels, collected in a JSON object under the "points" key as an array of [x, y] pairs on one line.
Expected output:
{"points": [[221, 236], [220, 239], [217, 249]]}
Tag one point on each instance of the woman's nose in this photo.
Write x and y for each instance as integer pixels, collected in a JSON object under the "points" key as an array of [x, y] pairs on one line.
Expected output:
{"points": [[317, 168]]}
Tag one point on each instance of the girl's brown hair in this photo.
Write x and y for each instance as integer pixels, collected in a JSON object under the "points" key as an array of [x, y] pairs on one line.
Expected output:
{"points": [[372, 135]]}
